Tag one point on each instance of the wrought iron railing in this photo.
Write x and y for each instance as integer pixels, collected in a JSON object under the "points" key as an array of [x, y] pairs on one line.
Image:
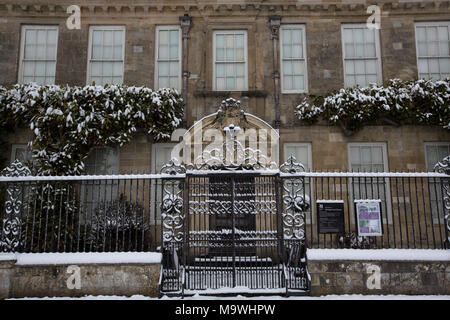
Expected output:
{"points": [[123, 212], [79, 213], [413, 208]]}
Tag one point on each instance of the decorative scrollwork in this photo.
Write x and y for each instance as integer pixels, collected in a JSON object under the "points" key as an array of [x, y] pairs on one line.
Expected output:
{"points": [[12, 222], [16, 169], [295, 204], [172, 212], [444, 167], [292, 166], [232, 156], [173, 167]]}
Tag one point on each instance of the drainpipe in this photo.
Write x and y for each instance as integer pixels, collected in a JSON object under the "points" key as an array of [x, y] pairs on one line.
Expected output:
{"points": [[274, 25], [186, 23]]}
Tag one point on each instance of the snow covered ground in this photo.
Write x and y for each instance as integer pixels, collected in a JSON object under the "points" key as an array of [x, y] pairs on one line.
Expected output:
{"points": [[379, 254], [238, 297]]}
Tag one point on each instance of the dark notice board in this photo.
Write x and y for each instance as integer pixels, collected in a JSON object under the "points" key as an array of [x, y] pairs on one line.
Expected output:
{"points": [[330, 217]]}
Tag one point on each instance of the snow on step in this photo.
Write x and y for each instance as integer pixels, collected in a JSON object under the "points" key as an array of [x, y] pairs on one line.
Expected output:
{"points": [[88, 258], [237, 258], [379, 254]]}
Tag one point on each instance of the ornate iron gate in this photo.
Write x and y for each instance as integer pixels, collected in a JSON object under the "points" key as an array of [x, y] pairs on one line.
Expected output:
{"points": [[241, 231]]}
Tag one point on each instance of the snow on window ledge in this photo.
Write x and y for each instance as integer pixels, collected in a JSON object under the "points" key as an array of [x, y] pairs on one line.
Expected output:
{"points": [[84, 258], [379, 254]]}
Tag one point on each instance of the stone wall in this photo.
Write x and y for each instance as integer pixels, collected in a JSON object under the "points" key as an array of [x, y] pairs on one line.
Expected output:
{"points": [[327, 277], [323, 43], [95, 279], [395, 277]]}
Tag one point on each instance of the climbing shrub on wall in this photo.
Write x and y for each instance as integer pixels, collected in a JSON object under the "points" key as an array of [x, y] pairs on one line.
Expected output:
{"points": [[423, 102], [68, 121]]}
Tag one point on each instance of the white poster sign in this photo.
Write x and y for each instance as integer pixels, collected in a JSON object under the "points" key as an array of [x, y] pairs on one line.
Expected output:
{"points": [[368, 218]]}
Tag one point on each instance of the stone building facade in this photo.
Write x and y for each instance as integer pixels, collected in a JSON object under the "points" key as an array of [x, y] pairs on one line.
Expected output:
{"points": [[272, 82]]}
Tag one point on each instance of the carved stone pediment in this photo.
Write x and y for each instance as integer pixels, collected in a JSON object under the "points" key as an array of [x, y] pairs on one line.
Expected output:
{"points": [[230, 112]]}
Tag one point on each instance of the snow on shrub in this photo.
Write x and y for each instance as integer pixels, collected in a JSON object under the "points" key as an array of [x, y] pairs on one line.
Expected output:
{"points": [[69, 121], [409, 102]]}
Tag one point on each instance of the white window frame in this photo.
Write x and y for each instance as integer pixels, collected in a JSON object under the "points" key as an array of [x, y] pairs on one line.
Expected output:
{"points": [[216, 32], [22, 46], [299, 144], [104, 28], [106, 148], [377, 50], [428, 24], [430, 143], [16, 146], [301, 27], [383, 145], [388, 214], [168, 28], [155, 147]]}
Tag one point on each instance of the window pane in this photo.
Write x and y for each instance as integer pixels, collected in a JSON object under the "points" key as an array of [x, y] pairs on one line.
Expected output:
{"points": [[220, 54], [220, 41], [371, 67], [288, 82], [230, 55], [229, 70], [97, 38], [359, 67], [97, 52], [163, 68], [240, 83], [287, 37], [117, 52], [297, 51], [297, 36], [297, 67], [96, 69], [164, 37], [287, 67], [423, 50], [164, 82], [40, 69], [40, 52], [349, 67], [432, 33], [423, 66], [50, 52], [240, 55], [349, 50], [107, 69], [117, 69], [354, 155], [108, 38], [174, 82], [163, 52], [230, 84], [239, 41], [220, 83], [287, 51], [173, 52], [220, 70], [240, 72], [50, 68], [298, 83], [445, 66], [173, 69], [174, 37]]}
